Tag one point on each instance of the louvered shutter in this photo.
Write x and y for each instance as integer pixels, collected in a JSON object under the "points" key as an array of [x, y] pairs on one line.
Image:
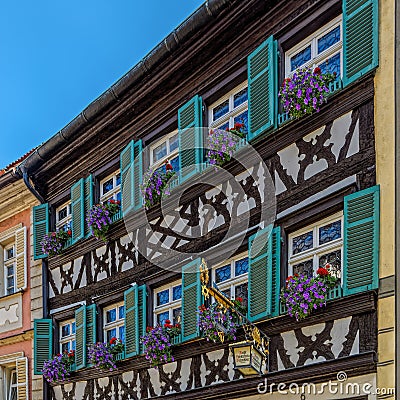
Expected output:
{"points": [[131, 164], [360, 38], [262, 67], [264, 273], [22, 378], [21, 249], [91, 325], [190, 122], [80, 337], [135, 318], [40, 216], [361, 241], [78, 210], [43, 343], [191, 299], [88, 202]]}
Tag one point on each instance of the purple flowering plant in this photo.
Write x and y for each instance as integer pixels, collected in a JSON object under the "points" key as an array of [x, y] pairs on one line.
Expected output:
{"points": [[157, 343], [303, 294], [215, 325], [222, 144], [99, 217], [58, 368], [101, 356], [305, 91], [53, 242], [154, 185]]}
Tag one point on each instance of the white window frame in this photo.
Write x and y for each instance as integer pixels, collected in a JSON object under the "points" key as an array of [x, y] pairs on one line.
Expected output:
{"points": [[171, 305], [317, 249], [119, 322], [112, 194], [317, 59], [66, 220], [70, 338], [233, 281], [233, 111], [8, 262], [170, 154]]}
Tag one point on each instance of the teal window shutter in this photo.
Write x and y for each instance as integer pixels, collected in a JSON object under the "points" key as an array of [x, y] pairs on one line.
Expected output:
{"points": [[361, 241], [131, 178], [43, 343], [360, 38], [91, 313], [264, 273], [78, 210], [191, 299], [262, 67], [190, 122], [80, 337], [88, 202], [135, 318], [40, 219]]}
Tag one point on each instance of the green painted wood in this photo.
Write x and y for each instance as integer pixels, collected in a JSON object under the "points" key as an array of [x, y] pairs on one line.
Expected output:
{"points": [[262, 68], [360, 38], [361, 241], [40, 218], [42, 343], [191, 153], [191, 299], [91, 334], [80, 337], [78, 210], [88, 202], [131, 299]]}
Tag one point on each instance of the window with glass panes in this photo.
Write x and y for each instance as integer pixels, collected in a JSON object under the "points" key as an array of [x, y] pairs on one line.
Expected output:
{"points": [[114, 322], [110, 187], [10, 384], [9, 268], [168, 303], [166, 149], [230, 109], [63, 216], [317, 245], [323, 49], [67, 335], [231, 277]]}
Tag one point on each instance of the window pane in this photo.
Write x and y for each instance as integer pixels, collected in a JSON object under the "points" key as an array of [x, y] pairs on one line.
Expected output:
{"points": [[108, 185], [111, 333], [227, 293], [241, 266], [65, 347], [173, 143], [242, 292], [10, 282], [73, 325], [65, 330], [243, 118], [160, 151], [121, 312], [177, 292], [10, 290], [330, 232], [305, 268], [334, 258], [331, 65], [118, 179], [302, 243], [223, 273], [63, 213], [240, 98], [175, 163], [73, 345], [111, 315], [329, 39], [161, 318], [122, 334], [10, 270], [224, 127], [177, 312], [163, 297], [300, 58], [10, 253], [221, 110]]}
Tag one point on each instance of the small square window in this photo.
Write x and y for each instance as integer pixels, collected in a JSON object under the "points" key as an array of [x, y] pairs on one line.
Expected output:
{"points": [[166, 149], [114, 322], [167, 300], [67, 335], [63, 216], [110, 187]]}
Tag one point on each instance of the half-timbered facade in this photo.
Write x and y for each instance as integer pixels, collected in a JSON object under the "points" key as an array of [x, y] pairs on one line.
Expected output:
{"points": [[298, 194]]}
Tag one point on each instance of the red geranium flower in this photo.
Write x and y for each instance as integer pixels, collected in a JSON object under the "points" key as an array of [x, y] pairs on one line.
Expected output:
{"points": [[69, 232], [113, 340], [239, 299], [149, 329], [322, 271], [317, 71], [168, 166]]}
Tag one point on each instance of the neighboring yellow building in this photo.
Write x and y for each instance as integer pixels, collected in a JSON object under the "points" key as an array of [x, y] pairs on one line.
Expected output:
{"points": [[385, 110]]}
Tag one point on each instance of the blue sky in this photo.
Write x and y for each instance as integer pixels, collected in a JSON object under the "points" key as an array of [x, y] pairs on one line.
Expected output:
{"points": [[57, 56]]}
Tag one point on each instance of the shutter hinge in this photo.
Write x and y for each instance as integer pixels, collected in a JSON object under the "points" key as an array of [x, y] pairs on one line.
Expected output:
{"points": [[203, 108]]}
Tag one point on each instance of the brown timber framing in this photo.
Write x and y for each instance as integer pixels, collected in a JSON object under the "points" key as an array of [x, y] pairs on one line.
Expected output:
{"points": [[136, 114]]}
